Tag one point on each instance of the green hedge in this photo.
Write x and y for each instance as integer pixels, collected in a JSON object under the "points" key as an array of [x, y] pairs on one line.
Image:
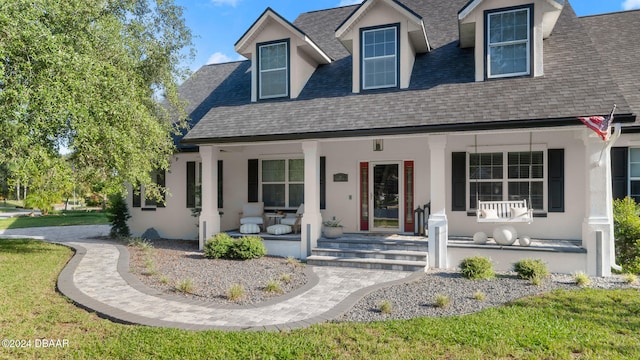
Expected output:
{"points": [[627, 233], [224, 246]]}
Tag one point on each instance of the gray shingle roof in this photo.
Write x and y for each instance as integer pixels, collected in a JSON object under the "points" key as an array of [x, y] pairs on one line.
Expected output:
{"points": [[442, 94], [621, 54]]}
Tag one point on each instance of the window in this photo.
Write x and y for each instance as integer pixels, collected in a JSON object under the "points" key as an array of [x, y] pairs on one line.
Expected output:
{"points": [[508, 42], [634, 173], [273, 65], [379, 58], [499, 176], [282, 183]]}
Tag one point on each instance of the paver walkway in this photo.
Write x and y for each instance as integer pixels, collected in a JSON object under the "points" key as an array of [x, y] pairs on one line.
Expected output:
{"points": [[98, 279]]}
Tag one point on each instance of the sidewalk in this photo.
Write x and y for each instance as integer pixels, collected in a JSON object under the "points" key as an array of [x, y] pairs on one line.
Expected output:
{"points": [[97, 278]]}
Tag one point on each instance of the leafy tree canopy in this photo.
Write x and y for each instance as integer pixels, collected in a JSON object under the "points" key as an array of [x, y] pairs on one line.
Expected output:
{"points": [[86, 75]]}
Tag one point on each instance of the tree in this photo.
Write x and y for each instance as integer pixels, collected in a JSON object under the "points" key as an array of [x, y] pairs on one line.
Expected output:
{"points": [[86, 76]]}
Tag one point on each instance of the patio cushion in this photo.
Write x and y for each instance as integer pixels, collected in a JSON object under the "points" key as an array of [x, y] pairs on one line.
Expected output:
{"points": [[253, 209], [250, 229], [519, 212], [289, 220], [251, 220], [489, 214], [279, 229]]}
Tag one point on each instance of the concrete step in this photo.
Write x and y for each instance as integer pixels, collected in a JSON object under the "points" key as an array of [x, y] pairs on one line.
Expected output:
{"points": [[373, 244], [366, 263], [372, 254]]}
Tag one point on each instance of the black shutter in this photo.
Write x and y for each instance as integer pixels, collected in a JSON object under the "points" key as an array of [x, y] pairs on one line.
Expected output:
{"points": [[252, 181], [619, 171], [220, 192], [137, 196], [556, 180], [191, 184], [459, 181], [323, 182]]}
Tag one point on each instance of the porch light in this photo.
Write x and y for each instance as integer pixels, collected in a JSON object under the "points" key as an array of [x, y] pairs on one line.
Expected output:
{"points": [[377, 145]]}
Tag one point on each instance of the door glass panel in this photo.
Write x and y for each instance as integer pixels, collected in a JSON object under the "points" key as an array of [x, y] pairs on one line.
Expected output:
{"points": [[386, 196]]}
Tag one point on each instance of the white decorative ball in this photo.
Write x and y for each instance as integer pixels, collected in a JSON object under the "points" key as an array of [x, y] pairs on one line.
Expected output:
{"points": [[480, 238], [505, 235], [524, 240]]}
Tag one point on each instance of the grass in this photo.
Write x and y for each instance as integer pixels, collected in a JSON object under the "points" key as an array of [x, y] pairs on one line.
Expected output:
{"points": [[385, 307], [479, 295], [236, 292], [185, 286], [584, 324], [441, 301], [581, 279], [63, 218], [273, 286]]}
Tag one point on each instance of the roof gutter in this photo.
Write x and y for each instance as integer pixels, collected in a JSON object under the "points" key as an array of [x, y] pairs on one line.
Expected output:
{"points": [[426, 129]]}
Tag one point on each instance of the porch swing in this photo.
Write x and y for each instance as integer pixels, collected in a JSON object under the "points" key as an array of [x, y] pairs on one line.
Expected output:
{"points": [[507, 211]]}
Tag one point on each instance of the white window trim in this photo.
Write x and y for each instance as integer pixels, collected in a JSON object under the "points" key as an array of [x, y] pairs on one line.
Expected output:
{"points": [[286, 182], [506, 43], [505, 150], [285, 68], [364, 59], [629, 177]]}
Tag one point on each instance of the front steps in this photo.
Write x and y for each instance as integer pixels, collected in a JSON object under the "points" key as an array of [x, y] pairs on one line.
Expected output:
{"points": [[370, 252]]}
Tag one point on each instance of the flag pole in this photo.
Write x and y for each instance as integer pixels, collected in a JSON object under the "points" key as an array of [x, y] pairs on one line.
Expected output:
{"points": [[612, 139]]}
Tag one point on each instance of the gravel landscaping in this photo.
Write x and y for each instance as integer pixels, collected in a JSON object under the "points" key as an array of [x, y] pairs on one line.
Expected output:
{"points": [[176, 261]]}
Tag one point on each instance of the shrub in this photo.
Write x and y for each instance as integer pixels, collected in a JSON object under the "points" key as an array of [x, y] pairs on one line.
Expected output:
{"points": [[630, 278], [185, 286], [286, 278], [218, 246], [385, 307], [118, 214], [582, 279], [248, 247], [627, 233], [530, 269], [477, 267], [235, 292], [442, 301], [273, 286], [479, 295]]}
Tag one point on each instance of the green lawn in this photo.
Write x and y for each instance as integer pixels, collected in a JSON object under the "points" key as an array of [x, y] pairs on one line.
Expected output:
{"points": [[584, 324], [64, 218]]}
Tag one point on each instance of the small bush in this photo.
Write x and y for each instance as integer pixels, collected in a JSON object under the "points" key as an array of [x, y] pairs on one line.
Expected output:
{"points": [[476, 268], [185, 286], [385, 307], [218, 246], [164, 279], [582, 279], [118, 214], [142, 244], [630, 278], [235, 292], [293, 262], [442, 301], [273, 286], [248, 247], [529, 269], [285, 278], [626, 222], [479, 295]]}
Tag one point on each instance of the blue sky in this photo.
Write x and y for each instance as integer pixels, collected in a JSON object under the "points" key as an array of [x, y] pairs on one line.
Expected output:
{"points": [[218, 24]]}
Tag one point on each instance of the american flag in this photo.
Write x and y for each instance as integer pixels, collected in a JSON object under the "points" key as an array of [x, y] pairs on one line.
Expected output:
{"points": [[599, 124]]}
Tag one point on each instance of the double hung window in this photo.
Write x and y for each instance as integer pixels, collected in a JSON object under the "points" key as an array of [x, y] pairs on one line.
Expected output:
{"points": [[273, 63], [509, 42], [634, 174], [283, 183], [499, 176], [380, 58]]}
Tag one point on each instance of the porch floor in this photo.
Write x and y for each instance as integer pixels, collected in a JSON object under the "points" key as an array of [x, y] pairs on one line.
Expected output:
{"points": [[550, 245]]}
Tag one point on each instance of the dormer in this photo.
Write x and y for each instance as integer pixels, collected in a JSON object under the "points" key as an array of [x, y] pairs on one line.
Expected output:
{"points": [[507, 35], [283, 58], [383, 37]]}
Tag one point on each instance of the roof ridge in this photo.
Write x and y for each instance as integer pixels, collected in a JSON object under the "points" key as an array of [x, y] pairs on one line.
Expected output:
{"points": [[610, 13]]}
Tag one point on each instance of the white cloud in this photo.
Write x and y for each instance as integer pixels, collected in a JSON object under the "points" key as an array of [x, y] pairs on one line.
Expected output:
{"points": [[349, 2], [225, 2], [631, 4], [218, 58]]}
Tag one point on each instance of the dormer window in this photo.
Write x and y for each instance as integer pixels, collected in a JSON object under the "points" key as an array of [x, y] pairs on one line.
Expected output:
{"points": [[273, 69], [380, 57], [509, 42]]}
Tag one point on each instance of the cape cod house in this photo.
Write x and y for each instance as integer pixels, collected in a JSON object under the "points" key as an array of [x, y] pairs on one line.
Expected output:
{"points": [[365, 113]]}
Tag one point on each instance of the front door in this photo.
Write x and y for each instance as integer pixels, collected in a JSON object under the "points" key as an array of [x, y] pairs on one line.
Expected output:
{"points": [[385, 191]]}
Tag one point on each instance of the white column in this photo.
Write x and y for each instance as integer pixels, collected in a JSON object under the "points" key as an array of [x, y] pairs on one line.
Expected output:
{"points": [[209, 216], [597, 228], [438, 224], [312, 219]]}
